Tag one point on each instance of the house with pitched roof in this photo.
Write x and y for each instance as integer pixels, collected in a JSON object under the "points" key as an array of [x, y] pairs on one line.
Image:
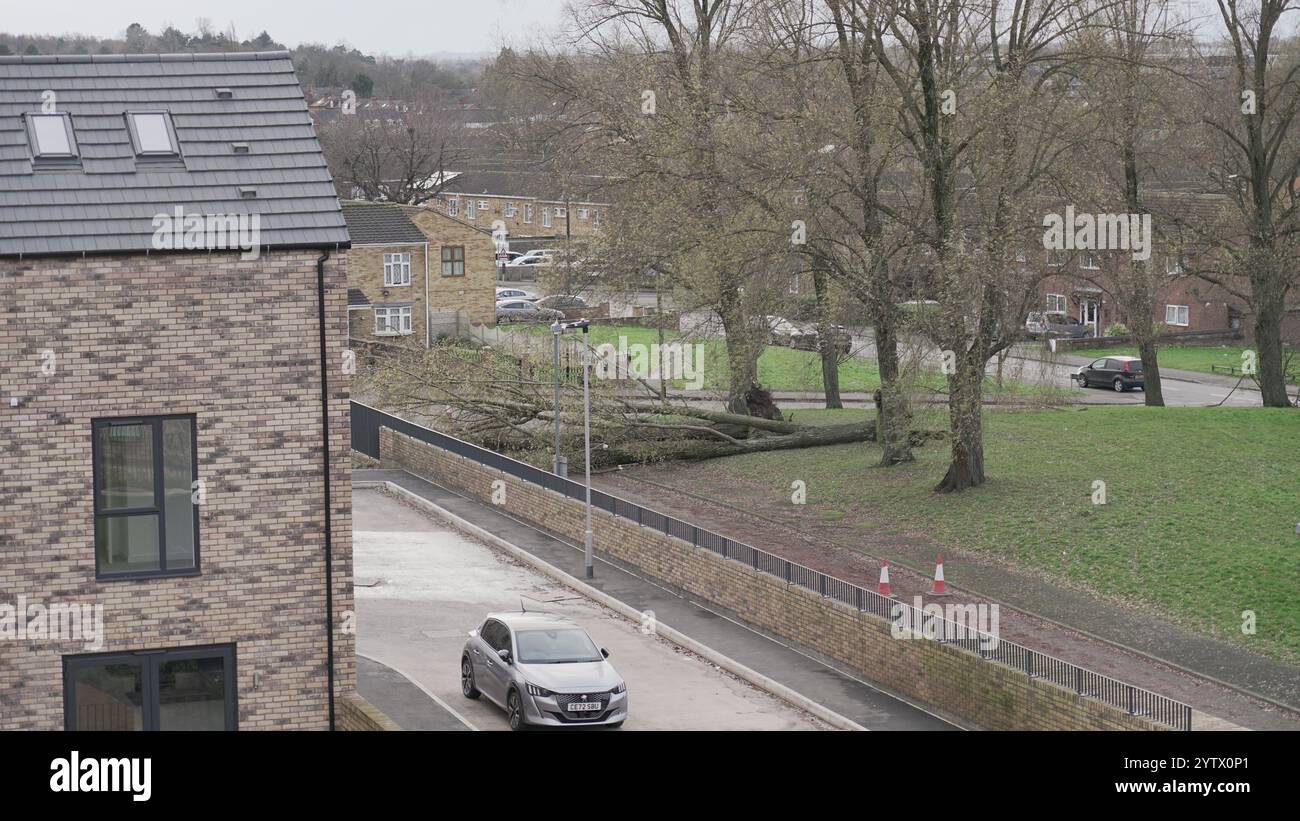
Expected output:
{"points": [[175, 536]]}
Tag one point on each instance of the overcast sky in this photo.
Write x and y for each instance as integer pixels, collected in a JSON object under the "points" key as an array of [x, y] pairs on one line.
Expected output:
{"points": [[394, 27]]}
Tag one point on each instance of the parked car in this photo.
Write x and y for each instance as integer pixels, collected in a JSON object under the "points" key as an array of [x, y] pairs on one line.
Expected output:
{"points": [[521, 310], [515, 293], [543, 670], [539, 257], [1054, 324], [803, 335], [573, 307], [1119, 373]]}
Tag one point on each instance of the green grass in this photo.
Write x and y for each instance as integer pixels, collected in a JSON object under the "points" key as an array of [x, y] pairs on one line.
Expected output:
{"points": [[786, 369], [1183, 357], [1199, 524]]}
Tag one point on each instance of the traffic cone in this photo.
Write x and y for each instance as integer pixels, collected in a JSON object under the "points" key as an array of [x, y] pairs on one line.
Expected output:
{"points": [[883, 589], [939, 589]]}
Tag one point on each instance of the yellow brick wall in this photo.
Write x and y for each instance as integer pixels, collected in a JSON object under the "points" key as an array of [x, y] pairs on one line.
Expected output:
{"points": [[235, 343], [366, 271], [474, 293], [516, 225]]}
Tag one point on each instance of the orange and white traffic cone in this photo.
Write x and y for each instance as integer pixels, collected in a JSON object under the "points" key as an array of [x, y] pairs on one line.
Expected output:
{"points": [[939, 589], [883, 589]]}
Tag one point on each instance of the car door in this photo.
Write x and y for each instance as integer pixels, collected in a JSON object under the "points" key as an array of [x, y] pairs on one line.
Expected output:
{"points": [[1106, 374], [1094, 372], [496, 636]]}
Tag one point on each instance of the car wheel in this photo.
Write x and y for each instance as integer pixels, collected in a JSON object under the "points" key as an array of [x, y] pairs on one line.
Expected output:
{"points": [[1118, 385], [515, 712], [467, 679]]}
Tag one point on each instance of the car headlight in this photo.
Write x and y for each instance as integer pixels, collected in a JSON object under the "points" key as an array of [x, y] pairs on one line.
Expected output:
{"points": [[621, 688], [534, 690]]}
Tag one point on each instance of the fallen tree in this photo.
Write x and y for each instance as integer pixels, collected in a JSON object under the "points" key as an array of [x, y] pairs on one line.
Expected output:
{"points": [[506, 401]]}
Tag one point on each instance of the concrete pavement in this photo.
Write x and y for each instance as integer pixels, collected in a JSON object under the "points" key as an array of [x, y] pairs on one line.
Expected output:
{"points": [[420, 586], [813, 678]]}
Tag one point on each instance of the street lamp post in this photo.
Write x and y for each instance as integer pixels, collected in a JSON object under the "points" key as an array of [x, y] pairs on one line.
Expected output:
{"points": [[561, 468], [586, 437], [561, 465]]}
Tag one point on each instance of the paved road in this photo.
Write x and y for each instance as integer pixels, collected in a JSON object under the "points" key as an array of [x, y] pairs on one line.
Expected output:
{"points": [[421, 586], [837, 690]]}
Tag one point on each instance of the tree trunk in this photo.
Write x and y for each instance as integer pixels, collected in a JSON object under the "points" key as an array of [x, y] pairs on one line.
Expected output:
{"points": [[1152, 394], [895, 416], [1268, 344], [825, 343], [965, 394]]}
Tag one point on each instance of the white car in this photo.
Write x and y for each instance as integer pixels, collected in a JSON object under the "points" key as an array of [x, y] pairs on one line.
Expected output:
{"points": [[540, 257], [515, 293]]}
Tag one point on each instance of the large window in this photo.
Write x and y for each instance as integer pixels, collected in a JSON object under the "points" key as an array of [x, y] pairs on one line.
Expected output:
{"points": [[511, 209], [392, 320], [397, 269], [528, 212], [1175, 314], [1056, 303], [546, 217], [453, 207], [192, 688], [469, 209], [453, 260], [146, 523]]}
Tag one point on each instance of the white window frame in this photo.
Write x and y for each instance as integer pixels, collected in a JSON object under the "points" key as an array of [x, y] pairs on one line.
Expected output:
{"points": [[595, 217], [1055, 259], [469, 210], [1089, 261], [1176, 269], [528, 212], [561, 212], [453, 206], [484, 205], [1056, 303], [1185, 313], [1021, 256], [383, 325], [583, 213], [397, 269], [511, 209], [546, 216]]}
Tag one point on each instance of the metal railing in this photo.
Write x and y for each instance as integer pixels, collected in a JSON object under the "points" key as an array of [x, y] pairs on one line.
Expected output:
{"points": [[366, 422]]}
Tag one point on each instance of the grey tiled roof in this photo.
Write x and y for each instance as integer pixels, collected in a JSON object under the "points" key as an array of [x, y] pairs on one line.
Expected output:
{"points": [[107, 201], [378, 224]]}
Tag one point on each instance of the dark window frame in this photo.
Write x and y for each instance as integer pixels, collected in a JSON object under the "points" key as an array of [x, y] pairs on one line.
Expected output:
{"points": [[158, 509], [454, 261], [150, 662], [175, 153]]}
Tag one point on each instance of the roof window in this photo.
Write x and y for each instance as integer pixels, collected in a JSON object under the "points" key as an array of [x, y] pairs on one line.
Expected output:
{"points": [[152, 133], [51, 136]]}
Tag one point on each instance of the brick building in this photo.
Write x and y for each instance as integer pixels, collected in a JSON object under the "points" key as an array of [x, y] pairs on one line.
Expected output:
{"points": [[415, 272], [173, 409]]}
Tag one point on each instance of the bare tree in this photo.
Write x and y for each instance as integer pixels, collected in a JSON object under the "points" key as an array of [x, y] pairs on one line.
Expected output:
{"points": [[401, 155]]}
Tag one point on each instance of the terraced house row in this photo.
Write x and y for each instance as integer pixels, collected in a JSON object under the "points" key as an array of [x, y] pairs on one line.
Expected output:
{"points": [[173, 412]]}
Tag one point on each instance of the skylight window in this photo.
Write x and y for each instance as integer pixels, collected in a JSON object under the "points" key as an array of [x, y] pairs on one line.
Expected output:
{"points": [[151, 131], [51, 135]]}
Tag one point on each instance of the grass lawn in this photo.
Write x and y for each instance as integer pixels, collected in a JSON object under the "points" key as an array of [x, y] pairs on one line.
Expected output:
{"points": [[1199, 524], [784, 369], [1185, 357]]}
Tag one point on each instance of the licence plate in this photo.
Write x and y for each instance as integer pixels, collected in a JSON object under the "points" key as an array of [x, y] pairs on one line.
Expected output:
{"points": [[583, 706]]}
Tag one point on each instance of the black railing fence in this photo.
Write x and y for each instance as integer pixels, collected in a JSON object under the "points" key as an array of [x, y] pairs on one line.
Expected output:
{"points": [[366, 422]]}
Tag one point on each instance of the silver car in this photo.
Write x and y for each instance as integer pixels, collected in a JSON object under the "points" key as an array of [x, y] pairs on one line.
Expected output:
{"points": [[544, 671]]}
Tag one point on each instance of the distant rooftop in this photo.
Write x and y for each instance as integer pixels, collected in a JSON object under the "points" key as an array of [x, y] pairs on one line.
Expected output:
{"points": [[371, 223], [133, 136]]}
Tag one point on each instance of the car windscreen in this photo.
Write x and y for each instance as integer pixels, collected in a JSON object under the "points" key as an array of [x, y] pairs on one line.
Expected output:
{"points": [[564, 645], [1135, 366]]}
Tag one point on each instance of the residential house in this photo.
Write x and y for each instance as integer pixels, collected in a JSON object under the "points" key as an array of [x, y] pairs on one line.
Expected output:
{"points": [[417, 273], [174, 401], [388, 273], [531, 205]]}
